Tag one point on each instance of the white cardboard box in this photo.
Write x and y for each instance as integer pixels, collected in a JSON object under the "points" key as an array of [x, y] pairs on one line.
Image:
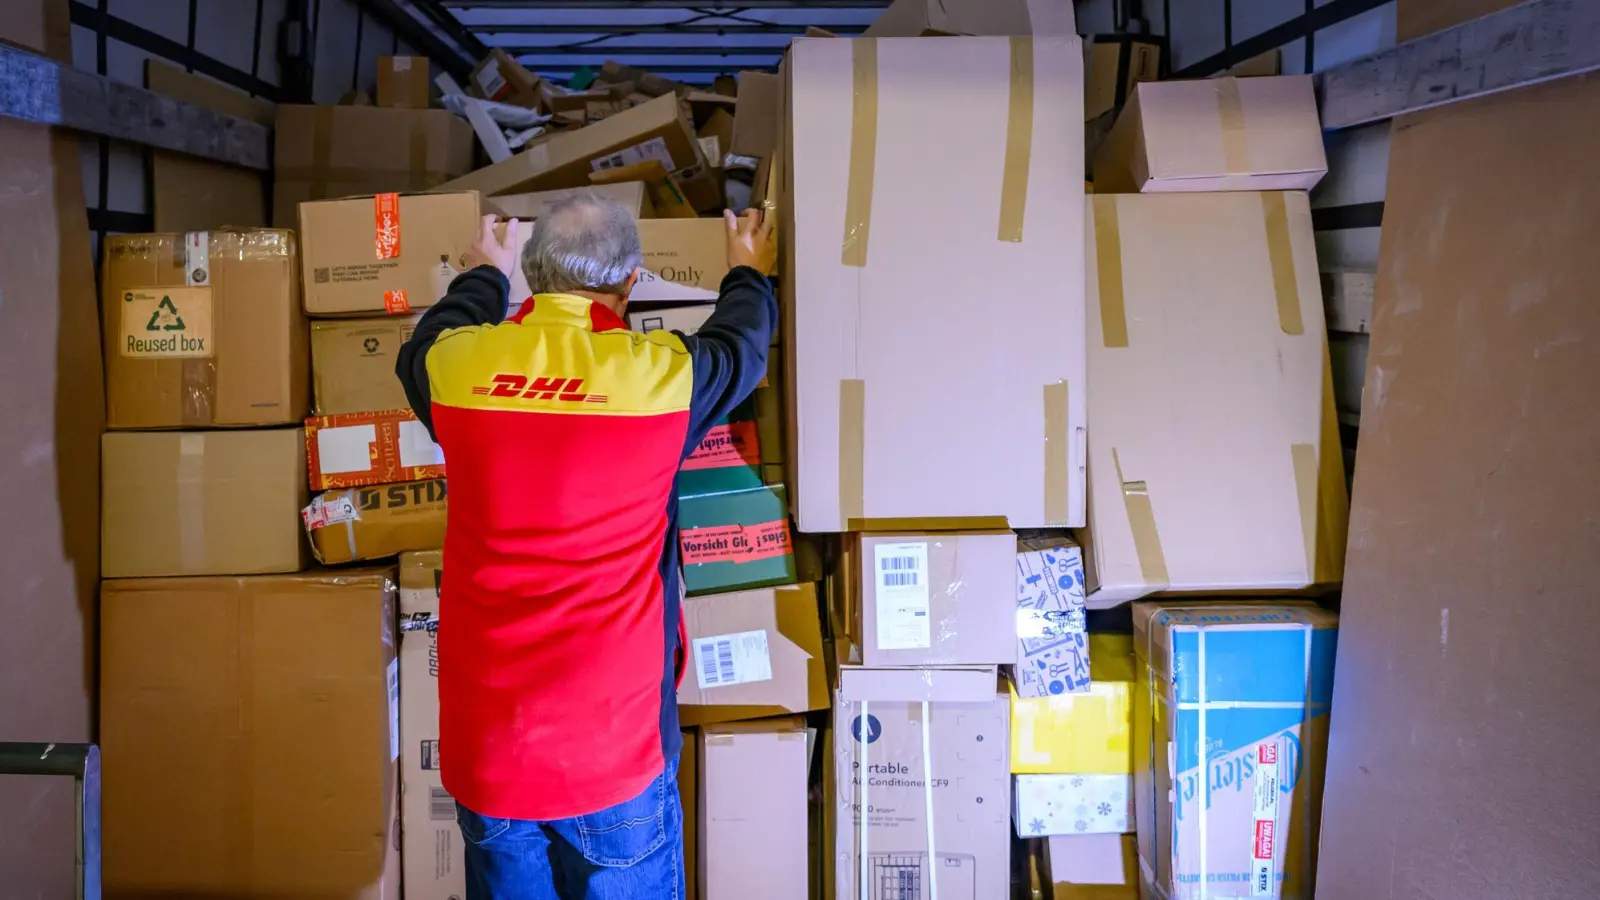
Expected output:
{"points": [[753, 810], [937, 289], [1214, 460], [1072, 804], [432, 857]]}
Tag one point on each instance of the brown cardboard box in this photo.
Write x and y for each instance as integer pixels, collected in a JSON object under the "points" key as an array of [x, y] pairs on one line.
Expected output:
{"points": [[201, 502], [188, 193], [500, 78], [915, 18], [936, 599], [248, 736], [530, 206], [352, 363], [1089, 867], [993, 417], [203, 329], [376, 522], [755, 125], [753, 654], [1214, 459], [433, 858], [386, 253], [1216, 134], [689, 802], [1113, 66], [654, 130], [752, 839], [883, 720], [684, 259], [403, 82], [322, 152]]}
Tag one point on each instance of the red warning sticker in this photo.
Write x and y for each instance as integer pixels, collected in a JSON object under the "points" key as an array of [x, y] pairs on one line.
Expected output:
{"points": [[386, 224], [727, 445], [395, 303], [735, 543]]}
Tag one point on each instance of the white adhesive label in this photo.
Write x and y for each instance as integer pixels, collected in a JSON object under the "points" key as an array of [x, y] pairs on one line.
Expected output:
{"points": [[655, 148], [331, 509], [1264, 843], [724, 659], [900, 579], [416, 448], [346, 448], [394, 708]]}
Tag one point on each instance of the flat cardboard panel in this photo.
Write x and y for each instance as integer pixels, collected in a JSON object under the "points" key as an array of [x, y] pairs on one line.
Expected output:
{"points": [[343, 273], [353, 362], [530, 206], [912, 343], [1092, 867], [202, 502], [755, 124], [247, 736], [752, 839], [1201, 397], [192, 194], [1468, 616], [433, 859], [937, 599], [253, 371], [788, 651]]}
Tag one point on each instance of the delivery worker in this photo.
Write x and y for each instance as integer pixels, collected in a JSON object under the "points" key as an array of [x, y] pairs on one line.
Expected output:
{"points": [[560, 635]]}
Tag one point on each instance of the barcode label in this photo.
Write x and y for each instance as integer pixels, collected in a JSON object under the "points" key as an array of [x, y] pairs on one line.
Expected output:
{"points": [[901, 596], [655, 148], [726, 659], [441, 806]]}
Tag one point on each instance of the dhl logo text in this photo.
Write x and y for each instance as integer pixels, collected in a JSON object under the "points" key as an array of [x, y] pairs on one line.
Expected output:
{"points": [[568, 390]]}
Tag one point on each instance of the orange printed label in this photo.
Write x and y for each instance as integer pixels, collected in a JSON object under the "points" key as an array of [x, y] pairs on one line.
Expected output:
{"points": [[735, 543], [386, 225], [727, 445], [394, 302]]}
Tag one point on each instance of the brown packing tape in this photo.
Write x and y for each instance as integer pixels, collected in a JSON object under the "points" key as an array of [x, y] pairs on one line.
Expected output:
{"points": [[1304, 457], [1281, 256], [1108, 266], [1142, 524], [1235, 152], [1333, 490], [863, 150], [1057, 487], [852, 448], [1019, 141], [321, 152]]}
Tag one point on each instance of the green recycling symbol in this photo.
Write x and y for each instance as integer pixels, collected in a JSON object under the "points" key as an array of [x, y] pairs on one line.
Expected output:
{"points": [[166, 307]]}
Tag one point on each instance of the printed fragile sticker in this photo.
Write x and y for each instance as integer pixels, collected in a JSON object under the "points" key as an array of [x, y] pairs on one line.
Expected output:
{"points": [[735, 543], [727, 659], [394, 709], [1264, 841], [900, 579], [166, 323], [655, 148], [395, 303], [727, 445], [331, 509], [386, 228]]}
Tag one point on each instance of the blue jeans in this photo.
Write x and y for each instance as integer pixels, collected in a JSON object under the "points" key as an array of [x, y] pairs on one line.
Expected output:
{"points": [[633, 850]]}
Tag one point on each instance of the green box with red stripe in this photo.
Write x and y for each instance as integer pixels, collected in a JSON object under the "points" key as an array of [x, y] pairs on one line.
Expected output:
{"points": [[735, 540]]}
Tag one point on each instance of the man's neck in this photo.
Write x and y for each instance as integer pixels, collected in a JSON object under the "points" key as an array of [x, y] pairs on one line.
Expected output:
{"points": [[614, 302]]}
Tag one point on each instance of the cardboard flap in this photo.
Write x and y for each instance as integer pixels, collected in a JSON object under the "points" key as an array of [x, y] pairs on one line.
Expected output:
{"points": [[953, 684]]}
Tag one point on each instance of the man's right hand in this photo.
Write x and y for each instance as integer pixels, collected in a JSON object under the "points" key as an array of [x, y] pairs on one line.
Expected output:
{"points": [[750, 241], [489, 250]]}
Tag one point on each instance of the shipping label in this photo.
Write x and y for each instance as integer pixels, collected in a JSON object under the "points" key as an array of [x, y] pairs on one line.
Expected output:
{"points": [[735, 543], [331, 509], [166, 323], [727, 659], [655, 148], [1263, 881], [726, 446], [386, 225], [900, 581]]}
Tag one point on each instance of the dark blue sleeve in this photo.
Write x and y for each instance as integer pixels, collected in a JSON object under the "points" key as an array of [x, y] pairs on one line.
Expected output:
{"points": [[475, 297], [730, 350]]}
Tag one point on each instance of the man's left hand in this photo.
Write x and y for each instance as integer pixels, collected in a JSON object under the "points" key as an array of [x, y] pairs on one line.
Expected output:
{"points": [[489, 250]]}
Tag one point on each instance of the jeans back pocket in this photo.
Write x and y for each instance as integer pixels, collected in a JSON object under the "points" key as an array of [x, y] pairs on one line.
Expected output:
{"points": [[628, 832]]}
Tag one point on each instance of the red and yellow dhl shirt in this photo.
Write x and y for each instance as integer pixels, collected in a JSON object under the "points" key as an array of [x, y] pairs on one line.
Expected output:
{"points": [[559, 626]]}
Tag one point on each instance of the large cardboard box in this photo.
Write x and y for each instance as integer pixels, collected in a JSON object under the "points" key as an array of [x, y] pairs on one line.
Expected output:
{"points": [[433, 858], [915, 18], [658, 130], [1090, 867], [201, 502], [387, 253], [370, 448], [403, 82], [321, 152], [1216, 134], [689, 803], [353, 363], [1114, 65], [1214, 459], [1084, 733], [936, 599], [753, 654], [752, 839], [904, 372], [248, 736], [955, 797], [376, 522], [203, 329], [1052, 641], [735, 541], [1230, 735]]}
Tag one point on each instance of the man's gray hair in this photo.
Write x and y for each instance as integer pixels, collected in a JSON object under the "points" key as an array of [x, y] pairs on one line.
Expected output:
{"points": [[585, 242]]}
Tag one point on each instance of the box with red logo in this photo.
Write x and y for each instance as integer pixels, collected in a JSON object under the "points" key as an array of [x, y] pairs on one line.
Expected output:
{"points": [[358, 449], [385, 253]]}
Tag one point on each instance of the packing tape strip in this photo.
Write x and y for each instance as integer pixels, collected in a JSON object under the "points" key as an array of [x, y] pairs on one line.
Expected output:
{"points": [[852, 448], [1333, 494], [191, 502], [1019, 141], [1108, 269], [199, 373], [1142, 524], [321, 151], [1235, 152], [1057, 454], [1305, 485], [863, 150], [1281, 256]]}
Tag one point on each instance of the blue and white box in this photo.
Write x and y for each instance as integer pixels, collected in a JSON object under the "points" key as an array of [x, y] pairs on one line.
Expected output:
{"points": [[1052, 641]]}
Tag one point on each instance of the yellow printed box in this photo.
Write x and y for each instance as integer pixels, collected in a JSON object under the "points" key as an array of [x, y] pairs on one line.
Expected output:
{"points": [[1080, 734]]}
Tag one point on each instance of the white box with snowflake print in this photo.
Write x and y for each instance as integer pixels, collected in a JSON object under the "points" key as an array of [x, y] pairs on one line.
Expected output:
{"points": [[1072, 804]]}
